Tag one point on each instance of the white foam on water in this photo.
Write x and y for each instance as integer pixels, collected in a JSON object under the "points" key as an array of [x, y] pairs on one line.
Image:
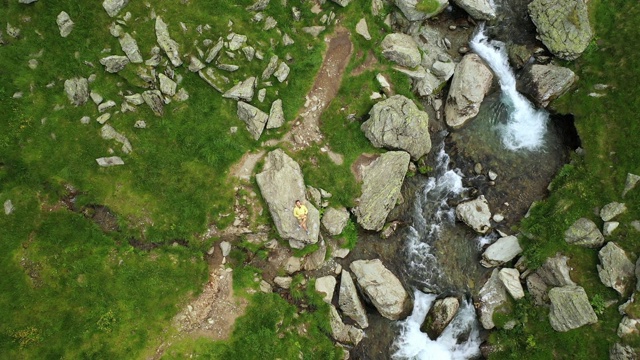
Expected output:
{"points": [[527, 125], [414, 344]]}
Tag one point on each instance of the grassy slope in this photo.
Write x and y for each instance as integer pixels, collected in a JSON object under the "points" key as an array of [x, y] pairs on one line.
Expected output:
{"points": [[606, 126]]}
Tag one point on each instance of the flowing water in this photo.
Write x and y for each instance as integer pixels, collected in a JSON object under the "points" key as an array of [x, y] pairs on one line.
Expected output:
{"points": [[509, 136]]}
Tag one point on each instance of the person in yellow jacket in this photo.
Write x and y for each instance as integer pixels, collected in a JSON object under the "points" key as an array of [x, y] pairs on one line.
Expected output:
{"points": [[300, 212]]}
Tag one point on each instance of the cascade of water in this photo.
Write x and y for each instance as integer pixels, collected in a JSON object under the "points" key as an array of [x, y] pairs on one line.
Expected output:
{"points": [[414, 344], [527, 125]]}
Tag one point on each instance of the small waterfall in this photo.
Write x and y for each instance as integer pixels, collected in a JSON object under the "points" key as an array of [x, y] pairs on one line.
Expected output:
{"points": [[526, 126], [414, 344]]}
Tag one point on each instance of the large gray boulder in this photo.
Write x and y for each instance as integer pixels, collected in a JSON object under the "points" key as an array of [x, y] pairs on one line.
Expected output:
{"points": [[500, 252], [254, 118], [242, 91], [113, 7], [326, 286], [570, 308], [281, 184], [492, 295], [401, 49], [555, 271], [334, 220], [475, 214], [611, 210], [130, 48], [65, 24], [381, 287], [276, 115], [153, 98], [511, 280], [440, 316], [562, 25], [415, 12], [622, 352], [628, 326], [346, 334], [545, 83], [396, 123], [349, 301], [471, 82], [538, 289], [166, 43], [77, 90], [584, 232], [478, 9], [615, 269], [382, 180], [114, 63]]}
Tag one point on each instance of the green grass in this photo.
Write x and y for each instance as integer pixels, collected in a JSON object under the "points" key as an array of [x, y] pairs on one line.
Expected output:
{"points": [[427, 6], [588, 183]]}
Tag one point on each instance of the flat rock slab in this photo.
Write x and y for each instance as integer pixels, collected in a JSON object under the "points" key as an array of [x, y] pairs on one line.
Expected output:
{"points": [[492, 295], [471, 82], [401, 49], [475, 214], [349, 301], [615, 269], [570, 308], [109, 161], [382, 287], [545, 83], [584, 232]]}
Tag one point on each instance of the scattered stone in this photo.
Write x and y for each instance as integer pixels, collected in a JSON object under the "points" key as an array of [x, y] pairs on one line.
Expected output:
{"points": [[281, 184], [276, 115], [440, 316], [195, 64], [242, 91], [107, 132], [545, 83], [106, 106], [471, 82], [97, 98], [270, 23], [326, 285], [153, 98], [130, 48], [347, 334], [215, 80], [215, 50], [609, 227], [555, 271], [292, 265], [622, 352], [401, 49], [498, 218], [616, 270], [396, 123], [538, 289], [287, 40], [8, 207], [262, 93], [492, 296], [265, 287], [166, 43], [271, 67], [237, 41], [283, 72], [103, 118], [228, 67], [109, 161], [335, 220], [342, 3], [382, 287], [77, 90], [85, 120], [628, 326], [500, 252], [181, 95], [584, 232], [140, 124], [114, 63], [313, 30], [135, 99], [363, 29], [65, 24], [382, 180], [258, 5], [33, 63], [612, 210], [27, 1], [349, 301], [316, 259], [254, 118], [511, 280], [12, 31], [630, 184], [167, 86], [475, 214], [113, 7], [492, 175], [249, 52], [570, 308]]}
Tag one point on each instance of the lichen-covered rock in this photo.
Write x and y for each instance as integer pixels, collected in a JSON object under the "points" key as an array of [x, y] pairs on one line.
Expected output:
{"points": [[382, 287], [130, 48], [109, 161], [382, 180], [167, 86], [254, 118], [440, 316], [346, 334], [478, 9], [276, 115], [396, 123], [114, 63], [584, 232], [555, 271], [615, 269], [611, 210], [342, 3], [153, 98], [630, 183], [414, 12], [475, 214], [65, 24], [570, 308], [492, 295], [166, 43], [326, 286], [334, 220], [628, 326], [622, 352], [545, 83], [113, 7], [511, 280], [401, 49], [281, 183], [500, 252], [538, 289], [77, 90], [563, 26], [242, 91], [471, 82], [349, 301]]}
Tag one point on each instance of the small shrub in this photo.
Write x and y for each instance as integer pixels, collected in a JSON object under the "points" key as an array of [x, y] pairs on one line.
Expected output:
{"points": [[428, 6], [598, 304], [106, 322], [350, 235]]}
